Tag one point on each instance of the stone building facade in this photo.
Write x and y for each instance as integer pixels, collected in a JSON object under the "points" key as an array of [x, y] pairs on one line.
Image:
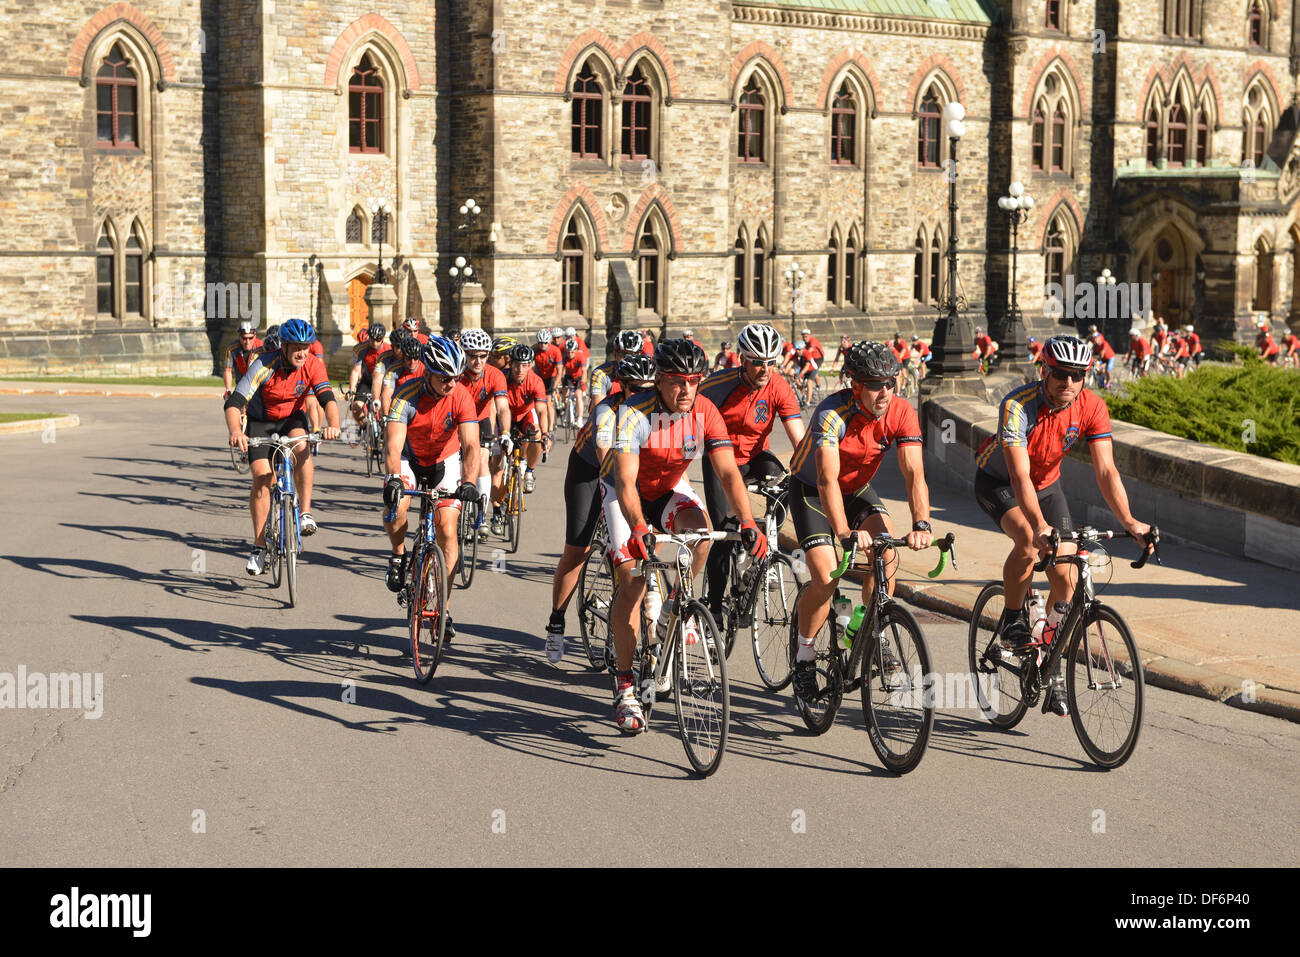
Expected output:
{"points": [[173, 167]]}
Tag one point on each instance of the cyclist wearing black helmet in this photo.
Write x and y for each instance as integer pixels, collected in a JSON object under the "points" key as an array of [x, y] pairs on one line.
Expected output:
{"points": [[626, 343], [1017, 482], [365, 357], [643, 483], [274, 395], [634, 373], [404, 367], [831, 499], [529, 418]]}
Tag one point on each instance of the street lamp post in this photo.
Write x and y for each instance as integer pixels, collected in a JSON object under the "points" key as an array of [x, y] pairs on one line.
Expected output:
{"points": [[1109, 329], [460, 272], [309, 275], [379, 209], [952, 336], [1016, 204], [794, 276]]}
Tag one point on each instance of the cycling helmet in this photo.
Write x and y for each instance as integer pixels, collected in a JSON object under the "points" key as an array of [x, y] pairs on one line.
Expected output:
{"points": [[805, 332], [725, 344], [1067, 352], [503, 344], [245, 328], [917, 338], [681, 357], [570, 332], [688, 334], [1135, 333], [409, 346], [544, 337], [376, 333], [297, 331], [870, 360], [411, 324], [1033, 339], [521, 353], [475, 340], [979, 330], [1091, 330], [1189, 329], [759, 342], [629, 340], [635, 368], [570, 345], [442, 356]]}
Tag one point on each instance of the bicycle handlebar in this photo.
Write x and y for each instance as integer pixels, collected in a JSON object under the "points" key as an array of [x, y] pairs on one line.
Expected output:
{"points": [[277, 439], [1151, 545], [947, 553], [682, 541]]}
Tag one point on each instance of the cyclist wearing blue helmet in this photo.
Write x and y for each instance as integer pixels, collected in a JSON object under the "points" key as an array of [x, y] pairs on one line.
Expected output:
{"points": [[275, 394]]}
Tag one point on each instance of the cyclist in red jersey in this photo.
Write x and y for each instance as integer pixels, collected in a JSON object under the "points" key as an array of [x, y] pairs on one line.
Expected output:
{"points": [[404, 367], [1139, 351], [432, 437], [487, 387], [530, 414], [238, 356], [1017, 482], [1292, 344], [1264, 344], [576, 362], [643, 484], [1103, 355], [831, 498], [412, 325], [273, 395], [726, 357], [365, 358], [1035, 350], [648, 342]]}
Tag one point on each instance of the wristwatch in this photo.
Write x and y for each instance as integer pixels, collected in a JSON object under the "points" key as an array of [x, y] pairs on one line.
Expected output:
{"points": [[921, 526]]}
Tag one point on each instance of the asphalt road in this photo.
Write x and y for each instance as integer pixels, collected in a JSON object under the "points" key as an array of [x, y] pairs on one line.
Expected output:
{"points": [[228, 734]]}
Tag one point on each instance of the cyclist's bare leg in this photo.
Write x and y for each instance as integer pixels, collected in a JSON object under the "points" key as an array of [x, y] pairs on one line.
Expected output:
{"points": [[396, 529], [304, 472], [1018, 569], [624, 615], [498, 478], [567, 572], [259, 497], [534, 454], [694, 520], [820, 560]]}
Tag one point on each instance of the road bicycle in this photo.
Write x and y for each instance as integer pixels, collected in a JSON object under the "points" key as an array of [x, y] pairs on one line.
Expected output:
{"points": [[239, 457], [566, 414], [467, 528], [888, 661], [512, 497], [911, 378], [283, 531], [424, 595], [595, 596], [683, 651], [1103, 672]]}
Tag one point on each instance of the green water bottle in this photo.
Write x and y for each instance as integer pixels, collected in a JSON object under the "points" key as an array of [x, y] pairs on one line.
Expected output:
{"points": [[851, 632]]}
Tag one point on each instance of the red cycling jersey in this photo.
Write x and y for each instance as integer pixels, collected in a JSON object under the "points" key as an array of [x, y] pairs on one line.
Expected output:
{"points": [[238, 358], [727, 359], [485, 388], [749, 413], [1291, 341], [922, 350], [432, 423], [522, 396], [665, 443], [576, 363], [1101, 349], [984, 345], [862, 439], [1026, 420], [547, 361], [900, 349], [1139, 347], [814, 349], [1036, 351], [273, 390], [366, 357]]}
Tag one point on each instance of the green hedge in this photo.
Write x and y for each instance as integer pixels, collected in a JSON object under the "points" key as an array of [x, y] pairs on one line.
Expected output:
{"points": [[1216, 404]]}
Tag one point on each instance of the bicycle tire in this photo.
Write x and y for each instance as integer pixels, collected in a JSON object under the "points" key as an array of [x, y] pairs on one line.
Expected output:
{"points": [[701, 693], [997, 681], [289, 528], [467, 561], [425, 616], [1116, 653], [819, 715], [515, 513], [595, 598], [239, 460], [370, 450], [772, 614], [271, 537], [900, 715]]}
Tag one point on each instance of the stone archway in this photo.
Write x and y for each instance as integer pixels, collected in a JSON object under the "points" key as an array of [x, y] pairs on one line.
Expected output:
{"points": [[1167, 260]]}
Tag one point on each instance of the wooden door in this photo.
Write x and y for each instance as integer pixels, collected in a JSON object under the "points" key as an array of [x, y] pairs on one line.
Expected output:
{"points": [[359, 313], [1163, 293]]}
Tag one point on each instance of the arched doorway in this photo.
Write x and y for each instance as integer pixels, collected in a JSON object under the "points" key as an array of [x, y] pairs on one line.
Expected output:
{"points": [[1167, 264], [358, 309]]}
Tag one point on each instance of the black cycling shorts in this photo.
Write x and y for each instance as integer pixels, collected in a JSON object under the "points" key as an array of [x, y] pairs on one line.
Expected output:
{"points": [[263, 429], [552, 385], [813, 528], [487, 429], [761, 465], [581, 501], [996, 497]]}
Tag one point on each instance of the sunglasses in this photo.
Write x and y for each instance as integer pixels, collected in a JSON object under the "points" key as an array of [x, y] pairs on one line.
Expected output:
{"points": [[875, 385], [439, 377], [1060, 375], [476, 355], [674, 379], [761, 363], [248, 336]]}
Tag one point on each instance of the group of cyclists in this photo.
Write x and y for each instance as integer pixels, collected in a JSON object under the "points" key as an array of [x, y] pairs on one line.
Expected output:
{"points": [[454, 407]]}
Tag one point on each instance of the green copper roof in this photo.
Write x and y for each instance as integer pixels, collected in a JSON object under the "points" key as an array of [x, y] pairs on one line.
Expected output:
{"points": [[971, 11], [1267, 171]]}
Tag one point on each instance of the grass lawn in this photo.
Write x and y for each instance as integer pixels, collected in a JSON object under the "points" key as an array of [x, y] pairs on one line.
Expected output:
{"points": [[25, 416], [211, 381]]}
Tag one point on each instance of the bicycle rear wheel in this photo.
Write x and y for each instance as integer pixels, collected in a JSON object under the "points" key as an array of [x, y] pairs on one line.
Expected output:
{"points": [[595, 596], [771, 617], [370, 448], [898, 703], [272, 539], [819, 713], [1103, 684], [996, 678], [289, 546], [469, 512], [425, 613], [515, 511], [702, 695]]}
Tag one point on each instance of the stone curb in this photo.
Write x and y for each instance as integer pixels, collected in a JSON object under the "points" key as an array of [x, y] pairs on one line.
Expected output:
{"points": [[86, 390], [37, 425], [1171, 674]]}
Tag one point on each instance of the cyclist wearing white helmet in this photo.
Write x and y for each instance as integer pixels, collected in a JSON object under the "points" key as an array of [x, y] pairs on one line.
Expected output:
{"points": [[1017, 482], [625, 343], [238, 356], [487, 387]]}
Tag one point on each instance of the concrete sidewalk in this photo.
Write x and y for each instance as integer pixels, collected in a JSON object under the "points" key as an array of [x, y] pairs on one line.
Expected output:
{"points": [[1205, 624], [108, 388]]}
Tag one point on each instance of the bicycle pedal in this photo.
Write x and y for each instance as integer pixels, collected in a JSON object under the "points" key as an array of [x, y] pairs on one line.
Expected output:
{"points": [[403, 599]]}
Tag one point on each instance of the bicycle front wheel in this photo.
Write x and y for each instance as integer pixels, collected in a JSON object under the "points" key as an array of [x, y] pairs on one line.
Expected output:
{"points": [[289, 546], [996, 676], [771, 618], [272, 539], [701, 694], [819, 713], [1103, 684], [595, 596], [515, 511], [898, 691], [427, 618], [469, 513]]}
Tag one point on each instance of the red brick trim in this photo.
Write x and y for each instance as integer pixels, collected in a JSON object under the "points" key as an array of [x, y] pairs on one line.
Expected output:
{"points": [[1260, 67], [841, 58], [1062, 197], [371, 23], [1216, 92], [1199, 78], [652, 43], [583, 40], [1044, 64], [654, 194], [944, 65], [121, 11], [578, 193], [760, 49]]}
